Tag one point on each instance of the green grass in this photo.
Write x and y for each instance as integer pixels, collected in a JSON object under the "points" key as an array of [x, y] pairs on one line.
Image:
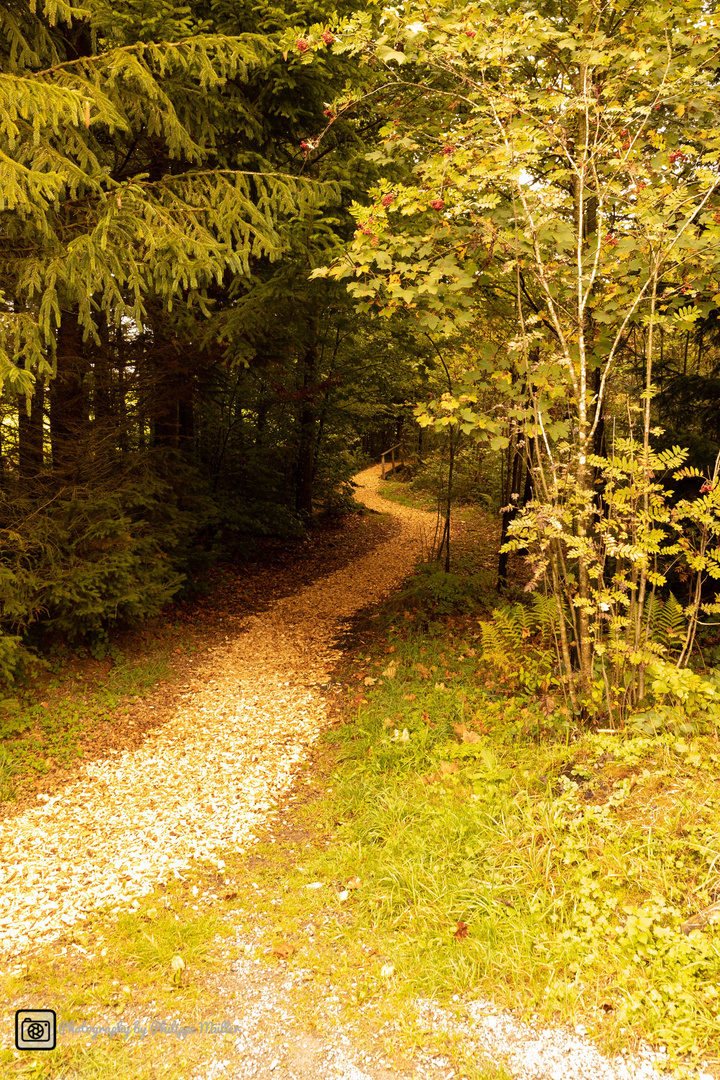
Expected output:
{"points": [[547, 868], [399, 492], [497, 850], [41, 730]]}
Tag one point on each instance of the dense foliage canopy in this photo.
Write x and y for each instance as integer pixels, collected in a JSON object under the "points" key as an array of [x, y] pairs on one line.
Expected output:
{"points": [[240, 243]]}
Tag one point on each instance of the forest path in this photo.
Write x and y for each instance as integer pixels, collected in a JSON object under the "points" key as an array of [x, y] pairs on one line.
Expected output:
{"points": [[205, 781], [203, 786]]}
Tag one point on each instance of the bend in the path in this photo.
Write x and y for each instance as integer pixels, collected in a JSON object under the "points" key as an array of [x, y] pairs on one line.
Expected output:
{"points": [[208, 779]]}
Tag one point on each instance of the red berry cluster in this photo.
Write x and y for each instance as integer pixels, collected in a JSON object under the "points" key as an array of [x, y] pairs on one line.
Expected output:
{"points": [[611, 240], [706, 487], [302, 45], [471, 33], [716, 217], [329, 113], [437, 204], [327, 37], [448, 149], [388, 200], [677, 155]]}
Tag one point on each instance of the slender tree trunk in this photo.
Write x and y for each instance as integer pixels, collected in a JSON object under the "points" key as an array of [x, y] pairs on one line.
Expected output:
{"points": [[528, 488], [101, 396], [647, 417], [186, 426], [307, 425], [165, 406], [448, 505], [67, 398], [510, 511], [120, 410], [585, 216], [30, 434]]}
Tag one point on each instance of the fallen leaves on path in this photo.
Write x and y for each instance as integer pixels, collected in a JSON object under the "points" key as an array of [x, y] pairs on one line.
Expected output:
{"points": [[207, 780]]}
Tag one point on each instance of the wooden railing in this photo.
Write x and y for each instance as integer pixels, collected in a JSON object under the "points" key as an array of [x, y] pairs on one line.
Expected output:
{"points": [[391, 451]]}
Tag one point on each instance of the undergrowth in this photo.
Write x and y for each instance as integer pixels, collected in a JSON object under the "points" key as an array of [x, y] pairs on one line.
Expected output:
{"points": [[475, 840], [508, 853]]}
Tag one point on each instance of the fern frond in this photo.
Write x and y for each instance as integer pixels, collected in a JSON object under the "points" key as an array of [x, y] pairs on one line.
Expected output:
{"points": [[667, 621]]}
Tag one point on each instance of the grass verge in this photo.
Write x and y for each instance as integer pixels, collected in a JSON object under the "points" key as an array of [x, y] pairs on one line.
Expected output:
{"points": [[47, 732], [463, 839], [506, 855]]}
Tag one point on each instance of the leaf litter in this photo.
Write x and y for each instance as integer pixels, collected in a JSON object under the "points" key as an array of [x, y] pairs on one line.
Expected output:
{"points": [[206, 783], [208, 779]]}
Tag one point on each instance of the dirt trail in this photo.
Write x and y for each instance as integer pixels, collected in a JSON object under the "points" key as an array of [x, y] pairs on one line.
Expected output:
{"points": [[205, 784], [206, 780]]}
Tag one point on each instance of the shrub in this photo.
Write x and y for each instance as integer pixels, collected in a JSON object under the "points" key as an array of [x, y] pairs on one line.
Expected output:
{"points": [[87, 558]]}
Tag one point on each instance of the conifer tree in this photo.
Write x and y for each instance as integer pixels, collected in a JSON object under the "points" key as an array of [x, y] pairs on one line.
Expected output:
{"points": [[113, 186]]}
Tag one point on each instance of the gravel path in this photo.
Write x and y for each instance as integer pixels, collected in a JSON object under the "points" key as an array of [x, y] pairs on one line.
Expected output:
{"points": [[204, 784], [205, 781]]}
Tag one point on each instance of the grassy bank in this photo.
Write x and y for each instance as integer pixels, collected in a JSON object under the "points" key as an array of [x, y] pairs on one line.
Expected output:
{"points": [[505, 854], [455, 836]]}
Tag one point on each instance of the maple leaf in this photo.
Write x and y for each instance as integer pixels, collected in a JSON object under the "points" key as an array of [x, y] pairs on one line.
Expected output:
{"points": [[284, 950], [465, 734], [448, 767]]}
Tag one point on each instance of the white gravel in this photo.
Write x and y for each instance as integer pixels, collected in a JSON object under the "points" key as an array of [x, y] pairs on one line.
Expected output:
{"points": [[201, 786], [205, 781]]}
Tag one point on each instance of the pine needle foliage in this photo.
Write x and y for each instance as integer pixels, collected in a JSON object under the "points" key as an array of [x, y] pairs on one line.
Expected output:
{"points": [[85, 226], [110, 552]]}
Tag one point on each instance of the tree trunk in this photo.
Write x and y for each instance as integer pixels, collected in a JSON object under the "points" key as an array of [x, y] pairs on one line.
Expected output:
{"points": [[121, 400], [186, 425], [30, 434], [307, 429], [67, 398], [585, 218], [101, 395], [510, 512], [528, 488], [165, 406]]}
